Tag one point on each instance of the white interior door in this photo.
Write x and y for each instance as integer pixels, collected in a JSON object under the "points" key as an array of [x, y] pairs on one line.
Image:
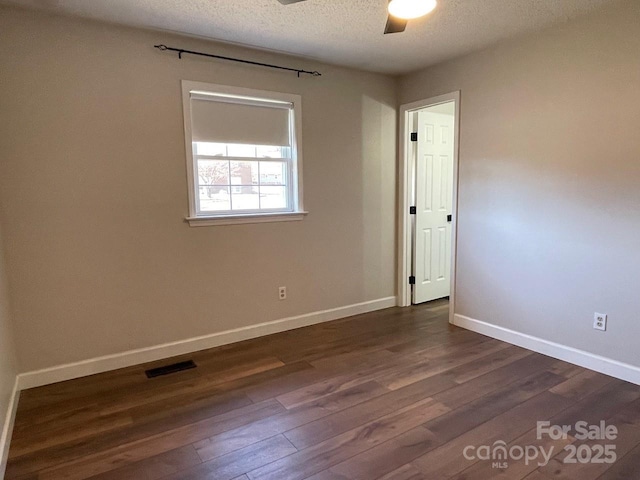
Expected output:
{"points": [[434, 196]]}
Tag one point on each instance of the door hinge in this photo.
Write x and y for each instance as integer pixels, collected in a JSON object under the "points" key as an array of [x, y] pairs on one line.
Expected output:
{"points": [[412, 210], [414, 136], [412, 280], [449, 218]]}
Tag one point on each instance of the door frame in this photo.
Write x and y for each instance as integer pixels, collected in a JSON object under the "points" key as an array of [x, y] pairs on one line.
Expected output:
{"points": [[404, 194]]}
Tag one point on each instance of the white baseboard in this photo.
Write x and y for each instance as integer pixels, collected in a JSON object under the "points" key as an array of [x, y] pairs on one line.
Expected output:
{"points": [[5, 436], [608, 366], [135, 357]]}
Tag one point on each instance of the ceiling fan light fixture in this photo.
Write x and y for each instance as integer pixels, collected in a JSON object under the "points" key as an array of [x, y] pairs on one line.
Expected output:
{"points": [[410, 9]]}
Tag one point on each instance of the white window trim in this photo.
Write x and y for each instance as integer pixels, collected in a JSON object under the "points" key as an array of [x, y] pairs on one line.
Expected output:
{"points": [[249, 96], [202, 221]]}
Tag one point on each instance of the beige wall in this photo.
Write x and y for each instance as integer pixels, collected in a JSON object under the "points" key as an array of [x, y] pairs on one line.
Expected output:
{"points": [[93, 188], [8, 366], [549, 193], [94, 195]]}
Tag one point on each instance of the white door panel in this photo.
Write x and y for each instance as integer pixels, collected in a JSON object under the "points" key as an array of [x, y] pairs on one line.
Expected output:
{"points": [[434, 196]]}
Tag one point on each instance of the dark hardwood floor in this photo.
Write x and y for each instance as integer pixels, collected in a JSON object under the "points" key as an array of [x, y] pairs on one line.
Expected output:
{"points": [[396, 394]]}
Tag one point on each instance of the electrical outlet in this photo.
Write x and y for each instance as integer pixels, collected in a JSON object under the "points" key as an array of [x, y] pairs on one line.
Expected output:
{"points": [[282, 293], [600, 321]]}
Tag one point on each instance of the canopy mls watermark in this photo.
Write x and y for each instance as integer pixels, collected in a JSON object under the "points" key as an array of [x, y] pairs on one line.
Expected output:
{"points": [[588, 443]]}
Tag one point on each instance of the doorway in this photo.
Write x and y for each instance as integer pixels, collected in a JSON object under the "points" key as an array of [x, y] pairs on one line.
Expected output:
{"points": [[428, 194]]}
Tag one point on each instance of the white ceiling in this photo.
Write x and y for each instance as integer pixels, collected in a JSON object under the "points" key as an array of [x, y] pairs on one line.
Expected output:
{"points": [[343, 32]]}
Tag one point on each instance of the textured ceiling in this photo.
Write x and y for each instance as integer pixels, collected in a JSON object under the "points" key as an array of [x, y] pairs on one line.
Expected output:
{"points": [[343, 32]]}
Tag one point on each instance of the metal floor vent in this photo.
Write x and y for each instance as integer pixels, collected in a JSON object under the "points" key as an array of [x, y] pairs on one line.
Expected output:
{"points": [[173, 368]]}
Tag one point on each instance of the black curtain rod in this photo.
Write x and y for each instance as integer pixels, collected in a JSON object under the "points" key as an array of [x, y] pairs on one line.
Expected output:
{"points": [[191, 52]]}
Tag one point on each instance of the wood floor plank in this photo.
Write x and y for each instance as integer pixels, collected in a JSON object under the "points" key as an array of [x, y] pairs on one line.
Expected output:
{"points": [[204, 383], [605, 403], [380, 370], [405, 472], [95, 460], [388, 456], [313, 392], [159, 389], [537, 475], [627, 440], [488, 363], [246, 435], [625, 468], [156, 467], [229, 466], [394, 394], [330, 452], [582, 384], [111, 389], [428, 368], [40, 439], [269, 388], [515, 469], [485, 408], [448, 459], [519, 469], [492, 381], [346, 419]]}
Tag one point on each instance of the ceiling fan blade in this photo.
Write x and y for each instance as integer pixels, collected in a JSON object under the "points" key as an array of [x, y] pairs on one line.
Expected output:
{"points": [[395, 25], [289, 2]]}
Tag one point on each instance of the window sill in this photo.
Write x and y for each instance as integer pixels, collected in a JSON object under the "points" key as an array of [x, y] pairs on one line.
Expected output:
{"points": [[241, 219]]}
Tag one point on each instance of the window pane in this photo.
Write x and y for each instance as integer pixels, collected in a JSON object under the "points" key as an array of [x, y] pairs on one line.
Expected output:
{"points": [[266, 151], [236, 150], [211, 149], [273, 173], [245, 198], [244, 173], [213, 172], [273, 197], [214, 198]]}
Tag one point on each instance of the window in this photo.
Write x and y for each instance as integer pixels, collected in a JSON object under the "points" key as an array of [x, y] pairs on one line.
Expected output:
{"points": [[243, 155]]}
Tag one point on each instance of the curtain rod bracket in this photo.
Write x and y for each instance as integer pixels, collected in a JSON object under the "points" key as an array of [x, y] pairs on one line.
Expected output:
{"points": [[180, 51]]}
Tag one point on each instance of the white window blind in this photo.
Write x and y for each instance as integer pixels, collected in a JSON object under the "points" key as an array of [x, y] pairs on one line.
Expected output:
{"points": [[219, 121]]}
